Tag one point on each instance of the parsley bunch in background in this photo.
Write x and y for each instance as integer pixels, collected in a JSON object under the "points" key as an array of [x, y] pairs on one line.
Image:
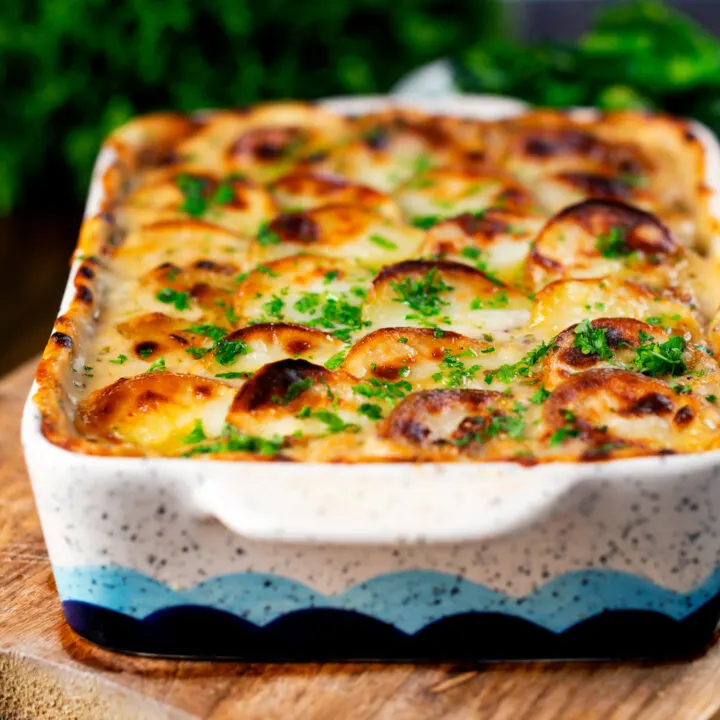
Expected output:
{"points": [[638, 55], [72, 70]]}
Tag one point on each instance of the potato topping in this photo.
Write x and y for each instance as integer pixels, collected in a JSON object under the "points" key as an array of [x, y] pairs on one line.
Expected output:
{"points": [[284, 283]]}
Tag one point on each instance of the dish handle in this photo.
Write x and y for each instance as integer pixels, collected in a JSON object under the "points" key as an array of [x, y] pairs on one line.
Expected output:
{"points": [[382, 504]]}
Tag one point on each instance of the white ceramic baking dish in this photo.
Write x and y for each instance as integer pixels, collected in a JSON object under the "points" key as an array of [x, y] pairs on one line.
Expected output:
{"points": [[207, 558]]}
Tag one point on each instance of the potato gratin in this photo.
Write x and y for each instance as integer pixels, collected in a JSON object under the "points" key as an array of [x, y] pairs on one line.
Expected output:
{"points": [[286, 283]]}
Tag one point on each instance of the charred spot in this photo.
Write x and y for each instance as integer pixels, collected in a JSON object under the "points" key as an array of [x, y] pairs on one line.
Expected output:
{"points": [[543, 260], [86, 271], [413, 430], [200, 291], [212, 266], [377, 138], [684, 415], [575, 357], [298, 347], [84, 294], [149, 399], [514, 196], [651, 404], [273, 380], [146, 349], [203, 391], [295, 227], [491, 222], [179, 339], [567, 141], [390, 272], [689, 135], [167, 158], [62, 340], [267, 144], [598, 185], [475, 156], [388, 371]]}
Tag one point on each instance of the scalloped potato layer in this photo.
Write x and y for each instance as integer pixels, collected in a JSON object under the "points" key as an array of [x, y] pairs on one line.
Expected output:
{"points": [[284, 283]]}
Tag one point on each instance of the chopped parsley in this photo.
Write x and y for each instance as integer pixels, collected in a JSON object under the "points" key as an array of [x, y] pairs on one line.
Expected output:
{"points": [[613, 243], [232, 440], [266, 236], [653, 358], [475, 255], [334, 422], [680, 389], [196, 201], [457, 372], [330, 276], [214, 332], [330, 313], [119, 360], [336, 360], [293, 391], [157, 366], [226, 351], [497, 301], [382, 242], [507, 373], [181, 300], [423, 295], [568, 430], [540, 396], [144, 352], [233, 375], [592, 341], [711, 398], [370, 410], [498, 424], [384, 389], [196, 435], [426, 222], [274, 308]]}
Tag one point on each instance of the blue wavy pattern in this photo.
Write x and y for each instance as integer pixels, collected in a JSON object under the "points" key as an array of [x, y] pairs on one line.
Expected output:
{"points": [[409, 600]]}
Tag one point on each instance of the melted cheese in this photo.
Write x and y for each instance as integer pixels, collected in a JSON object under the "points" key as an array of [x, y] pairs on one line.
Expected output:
{"points": [[286, 283]]}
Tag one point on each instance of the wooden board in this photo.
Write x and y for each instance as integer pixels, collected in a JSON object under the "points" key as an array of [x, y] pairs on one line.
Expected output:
{"points": [[48, 672]]}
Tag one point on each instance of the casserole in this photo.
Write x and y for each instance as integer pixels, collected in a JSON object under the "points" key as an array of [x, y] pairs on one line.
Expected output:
{"points": [[215, 558]]}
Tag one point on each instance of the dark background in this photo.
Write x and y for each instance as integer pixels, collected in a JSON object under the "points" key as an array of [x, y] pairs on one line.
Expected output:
{"points": [[71, 71]]}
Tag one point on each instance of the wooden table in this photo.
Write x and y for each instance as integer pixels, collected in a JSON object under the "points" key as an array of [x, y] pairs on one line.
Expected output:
{"points": [[48, 672]]}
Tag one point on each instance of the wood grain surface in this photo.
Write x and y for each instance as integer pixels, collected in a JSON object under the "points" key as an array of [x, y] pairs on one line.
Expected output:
{"points": [[48, 672]]}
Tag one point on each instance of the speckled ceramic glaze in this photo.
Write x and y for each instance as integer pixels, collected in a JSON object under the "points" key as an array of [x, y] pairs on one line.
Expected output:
{"points": [[209, 558]]}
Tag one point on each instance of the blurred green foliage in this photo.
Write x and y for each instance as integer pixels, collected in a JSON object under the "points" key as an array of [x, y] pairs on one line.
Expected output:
{"points": [[71, 70], [638, 55]]}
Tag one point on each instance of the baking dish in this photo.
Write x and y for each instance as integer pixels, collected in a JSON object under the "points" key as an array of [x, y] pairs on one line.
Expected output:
{"points": [[260, 560]]}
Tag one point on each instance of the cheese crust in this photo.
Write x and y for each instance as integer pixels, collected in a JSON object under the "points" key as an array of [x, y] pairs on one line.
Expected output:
{"points": [[284, 283]]}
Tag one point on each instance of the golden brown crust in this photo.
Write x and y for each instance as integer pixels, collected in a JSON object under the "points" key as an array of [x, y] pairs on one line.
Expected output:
{"points": [[292, 263]]}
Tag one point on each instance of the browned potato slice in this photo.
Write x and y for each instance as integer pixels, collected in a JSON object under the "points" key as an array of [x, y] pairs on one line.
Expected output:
{"points": [[613, 342], [422, 357], [233, 202], [601, 237], [154, 410], [496, 242], [565, 302], [340, 231], [444, 192], [608, 409], [296, 398], [179, 242], [264, 142], [556, 192], [318, 291], [420, 293], [394, 146], [303, 190], [445, 424], [242, 352]]}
